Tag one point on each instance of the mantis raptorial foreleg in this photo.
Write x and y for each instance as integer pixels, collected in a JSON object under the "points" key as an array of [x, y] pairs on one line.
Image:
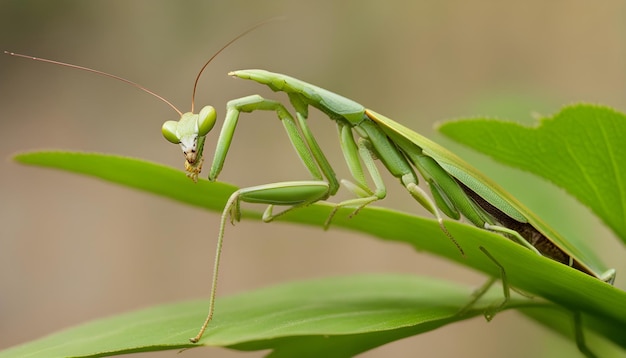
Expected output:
{"points": [[255, 102], [372, 140], [308, 151]]}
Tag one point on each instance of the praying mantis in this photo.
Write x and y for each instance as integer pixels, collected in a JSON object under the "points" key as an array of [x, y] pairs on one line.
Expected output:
{"points": [[456, 188]]}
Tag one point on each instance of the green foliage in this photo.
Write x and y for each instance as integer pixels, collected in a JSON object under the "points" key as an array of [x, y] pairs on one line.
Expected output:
{"points": [[340, 317], [580, 149], [309, 318]]}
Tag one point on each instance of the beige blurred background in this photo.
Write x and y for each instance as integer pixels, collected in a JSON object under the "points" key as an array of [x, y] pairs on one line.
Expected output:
{"points": [[73, 249]]}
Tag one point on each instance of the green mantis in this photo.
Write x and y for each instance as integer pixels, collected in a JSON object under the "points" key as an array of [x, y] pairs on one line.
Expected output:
{"points": [[457, 189]]}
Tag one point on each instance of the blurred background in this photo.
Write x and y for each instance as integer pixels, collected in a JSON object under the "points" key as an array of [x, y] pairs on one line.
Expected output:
{"points": [[73, 249]]}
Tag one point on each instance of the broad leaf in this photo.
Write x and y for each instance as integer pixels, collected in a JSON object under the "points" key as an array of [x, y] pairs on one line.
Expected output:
{"points": [[580, 149], [334, 317]]}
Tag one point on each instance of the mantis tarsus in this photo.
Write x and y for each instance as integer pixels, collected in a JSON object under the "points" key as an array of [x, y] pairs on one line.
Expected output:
{"points": [[457, 189]]}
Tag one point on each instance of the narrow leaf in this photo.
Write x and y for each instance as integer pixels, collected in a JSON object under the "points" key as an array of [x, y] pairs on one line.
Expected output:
{"points": [[525, 270]]}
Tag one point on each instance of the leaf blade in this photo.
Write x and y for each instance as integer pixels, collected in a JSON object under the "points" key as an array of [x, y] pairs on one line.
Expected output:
{"points": [[579, 149], [353, 308], [525, 270]]}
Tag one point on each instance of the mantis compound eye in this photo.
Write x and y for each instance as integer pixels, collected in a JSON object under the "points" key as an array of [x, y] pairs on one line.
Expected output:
{"points": [[169, 131], [206, 120]]}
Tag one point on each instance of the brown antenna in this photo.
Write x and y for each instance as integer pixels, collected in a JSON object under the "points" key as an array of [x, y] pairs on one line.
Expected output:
{"points": [[195, 84], [134, 84], [98, 73]]}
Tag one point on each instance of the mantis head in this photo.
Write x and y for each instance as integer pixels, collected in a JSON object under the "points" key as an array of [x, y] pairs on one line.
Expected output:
{"points": [[190, 132], [191, 129]]}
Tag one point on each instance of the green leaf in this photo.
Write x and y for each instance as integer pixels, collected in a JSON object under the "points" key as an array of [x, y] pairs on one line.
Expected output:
{"points": [[136, 173], [332, 317], [601, 303], [580, 149]]}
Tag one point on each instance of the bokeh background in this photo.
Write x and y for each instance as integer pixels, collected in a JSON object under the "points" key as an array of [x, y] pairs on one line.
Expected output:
{"points": [[73, 249]]}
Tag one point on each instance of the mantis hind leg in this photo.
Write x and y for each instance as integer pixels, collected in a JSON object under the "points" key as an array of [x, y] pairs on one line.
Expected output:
{"points": [[579, 336], [495, 308], [492, 310]]}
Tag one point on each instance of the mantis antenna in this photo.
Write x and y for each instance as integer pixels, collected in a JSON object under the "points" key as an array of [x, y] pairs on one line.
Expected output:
{"points": [[64, 64], [195, 84], [134, 84]]}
